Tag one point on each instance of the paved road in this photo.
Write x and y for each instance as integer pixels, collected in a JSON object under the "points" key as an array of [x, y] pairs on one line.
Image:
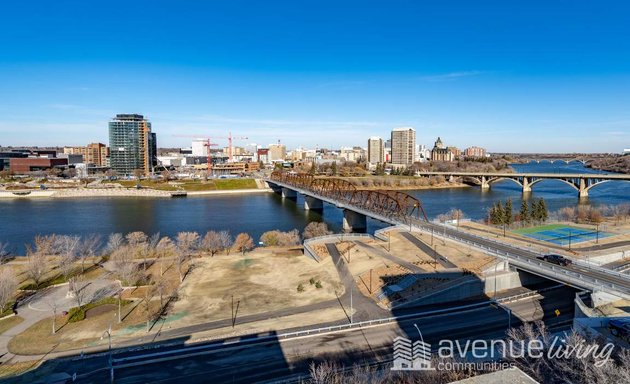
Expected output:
{"points": [[596, 247], [278, 359], [621, 282], [444, 262]]}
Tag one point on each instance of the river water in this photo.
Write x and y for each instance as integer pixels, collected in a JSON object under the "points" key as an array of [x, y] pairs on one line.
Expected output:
{"points": [[22, 219]]}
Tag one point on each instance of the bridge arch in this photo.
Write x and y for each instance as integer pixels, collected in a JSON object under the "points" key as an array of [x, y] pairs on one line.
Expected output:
{"points": [[532, 183], [497, 179], [602, 182]]}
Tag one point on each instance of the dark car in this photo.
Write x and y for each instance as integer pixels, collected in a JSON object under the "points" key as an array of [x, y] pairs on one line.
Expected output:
{"points": [[556, 259], [620, 328]]}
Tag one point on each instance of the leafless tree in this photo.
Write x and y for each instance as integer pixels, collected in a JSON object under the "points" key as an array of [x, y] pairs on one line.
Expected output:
{"points": [[149, 293], [67, 247], [45, 244], [78, 286], [36, 266], [315, 229], [212, 242], [88, 247], [279, 238], [226, 241], [115, 241], [123, 264], [136, 238], [243, 243], [164, 249], [8, 286], [4, 252], [187, 243]]}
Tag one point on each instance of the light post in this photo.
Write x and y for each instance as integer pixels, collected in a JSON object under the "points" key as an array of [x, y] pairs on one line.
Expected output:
{"points": [[351, 314], [570, 233], [111, 362], [597, 233]]}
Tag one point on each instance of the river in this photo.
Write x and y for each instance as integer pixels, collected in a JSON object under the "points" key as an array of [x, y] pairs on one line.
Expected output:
{"points": [[22, 219]]}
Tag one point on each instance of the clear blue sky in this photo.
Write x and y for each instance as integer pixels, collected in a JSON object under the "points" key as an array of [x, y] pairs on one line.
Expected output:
{"points": [[548, 76]]}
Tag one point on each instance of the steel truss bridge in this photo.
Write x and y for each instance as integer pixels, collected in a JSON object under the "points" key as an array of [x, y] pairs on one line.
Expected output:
{"points": [[385, 205]]}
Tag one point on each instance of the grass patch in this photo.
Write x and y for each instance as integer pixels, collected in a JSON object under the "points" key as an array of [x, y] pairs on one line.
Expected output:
{"points": [[91, 272], [226, 184], [14, 369], [78, 313], [150, 184], [9, 322], [242, 264]]}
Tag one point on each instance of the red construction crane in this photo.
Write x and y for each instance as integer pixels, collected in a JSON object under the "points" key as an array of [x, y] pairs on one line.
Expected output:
{"points": [[208, 144], [229, 139]]}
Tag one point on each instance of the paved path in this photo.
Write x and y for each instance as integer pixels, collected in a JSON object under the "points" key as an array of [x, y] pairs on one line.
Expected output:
{"points": [[382, 253], [40, 306], [444, 262]]}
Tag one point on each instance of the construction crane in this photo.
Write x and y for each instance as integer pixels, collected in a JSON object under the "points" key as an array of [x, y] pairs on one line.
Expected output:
{"points": [[208, 144], [229, 139]]}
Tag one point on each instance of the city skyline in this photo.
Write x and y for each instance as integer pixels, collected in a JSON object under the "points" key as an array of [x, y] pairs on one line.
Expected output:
{"points": [[500, 79]]}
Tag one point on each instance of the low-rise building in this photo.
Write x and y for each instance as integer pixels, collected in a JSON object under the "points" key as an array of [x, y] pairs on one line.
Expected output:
{"points": [[34, 164], [475, 152]]}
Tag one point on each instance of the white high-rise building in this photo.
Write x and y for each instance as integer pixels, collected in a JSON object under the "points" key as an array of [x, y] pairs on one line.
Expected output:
{"points": [[403, 146], [376, 150], [199, 147]]}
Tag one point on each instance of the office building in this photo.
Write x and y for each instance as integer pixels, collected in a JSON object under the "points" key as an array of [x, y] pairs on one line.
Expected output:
{"points": [[132, 144], [403, 146], [376, 150], [475, 152], [93, 153], [200, 147], [277, 152]]}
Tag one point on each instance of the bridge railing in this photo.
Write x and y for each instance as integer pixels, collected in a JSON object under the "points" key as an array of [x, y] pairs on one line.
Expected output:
{"points": [[560, 274]]}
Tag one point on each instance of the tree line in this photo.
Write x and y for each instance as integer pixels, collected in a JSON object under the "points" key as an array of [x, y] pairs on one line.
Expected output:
{"points": [[503, 214]]}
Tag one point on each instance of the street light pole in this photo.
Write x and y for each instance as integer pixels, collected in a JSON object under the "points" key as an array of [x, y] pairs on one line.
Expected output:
{"points": [[111, 362]]}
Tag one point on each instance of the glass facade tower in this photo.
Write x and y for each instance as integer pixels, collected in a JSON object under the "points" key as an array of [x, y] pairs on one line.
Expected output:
{"points": [[133, 147]]}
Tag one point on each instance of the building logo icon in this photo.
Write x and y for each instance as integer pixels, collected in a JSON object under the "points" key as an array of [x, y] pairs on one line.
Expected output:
{"points": [[412, 356]]}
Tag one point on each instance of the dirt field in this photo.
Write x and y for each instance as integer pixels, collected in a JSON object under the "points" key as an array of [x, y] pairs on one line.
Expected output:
{"points": [[264, 280]]}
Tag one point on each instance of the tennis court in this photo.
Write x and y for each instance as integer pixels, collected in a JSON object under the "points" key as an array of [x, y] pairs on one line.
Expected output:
{"points": [[561, 234]]}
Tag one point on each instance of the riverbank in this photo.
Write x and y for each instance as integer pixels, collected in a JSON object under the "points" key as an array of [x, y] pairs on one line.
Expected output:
{"points": [[117, 192]]}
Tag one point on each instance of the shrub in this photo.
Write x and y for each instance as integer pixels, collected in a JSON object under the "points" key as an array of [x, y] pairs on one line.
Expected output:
{"points": [[300, 287], [318, 284]]}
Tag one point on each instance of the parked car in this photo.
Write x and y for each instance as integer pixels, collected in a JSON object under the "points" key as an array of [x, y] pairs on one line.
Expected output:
{"points": [[556, 259], [620, 328]]}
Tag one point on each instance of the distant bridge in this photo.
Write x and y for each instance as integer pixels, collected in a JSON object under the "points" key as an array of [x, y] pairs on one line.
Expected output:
{"points": [[581, 182]]}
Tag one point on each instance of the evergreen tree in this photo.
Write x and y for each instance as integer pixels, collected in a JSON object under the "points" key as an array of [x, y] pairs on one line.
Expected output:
{"points": [[544, 213], [508, 217], [333, 168], [313, 169], [524, 212], [535, 210], [500, 213]]}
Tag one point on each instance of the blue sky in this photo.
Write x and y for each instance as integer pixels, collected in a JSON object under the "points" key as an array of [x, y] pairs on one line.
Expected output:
{"points": [[539, 76]]}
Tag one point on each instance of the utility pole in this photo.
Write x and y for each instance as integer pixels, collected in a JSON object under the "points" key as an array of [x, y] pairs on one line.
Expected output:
{"points": [[119, 304], [370, 281], [351, 314]]}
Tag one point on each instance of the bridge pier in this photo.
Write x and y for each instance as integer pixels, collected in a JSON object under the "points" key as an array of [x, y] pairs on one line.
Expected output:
{"points": [[289, 194], [354, 222], [583, 190], [484, 183], [313, 204], [527, 188]]}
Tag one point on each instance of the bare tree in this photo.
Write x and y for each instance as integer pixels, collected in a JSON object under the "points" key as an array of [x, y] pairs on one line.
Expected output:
{"points": [[212, 242], [315, 229], [136, 238], [36, 266], [149, 293], [4, 252], [8, 286], [78, 287], [115, 241], [243, 243], [88, 247], [187, 242], [67, 247], [165, 248], [123, 264], [226, 241], [279, 238]]}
